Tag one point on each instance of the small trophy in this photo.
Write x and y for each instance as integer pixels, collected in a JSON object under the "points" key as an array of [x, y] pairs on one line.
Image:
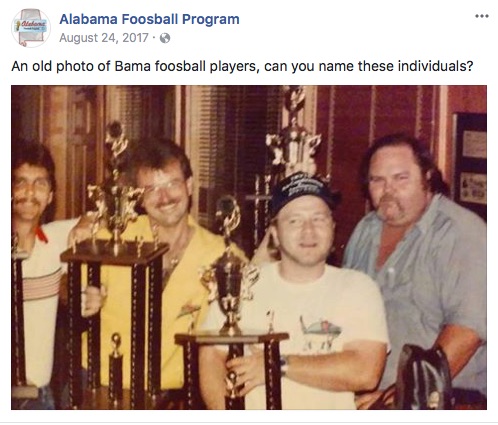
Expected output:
{"points": [[114, 200], [229, 279]]}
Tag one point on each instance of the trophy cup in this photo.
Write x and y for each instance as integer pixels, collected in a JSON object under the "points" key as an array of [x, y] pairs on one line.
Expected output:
{"points": [[115, 201], [229, 279]]}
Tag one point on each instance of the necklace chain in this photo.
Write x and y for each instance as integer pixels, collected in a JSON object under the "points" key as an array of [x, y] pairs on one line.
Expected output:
{"points": [[172, 258]]}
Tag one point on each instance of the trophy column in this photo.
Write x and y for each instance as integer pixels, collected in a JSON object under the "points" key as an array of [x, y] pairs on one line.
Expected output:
{"points": [[235, 343], [19, 386], [141, 258]]}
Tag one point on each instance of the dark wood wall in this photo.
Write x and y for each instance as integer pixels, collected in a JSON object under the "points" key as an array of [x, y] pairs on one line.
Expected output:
{"points": [[349, 119]]}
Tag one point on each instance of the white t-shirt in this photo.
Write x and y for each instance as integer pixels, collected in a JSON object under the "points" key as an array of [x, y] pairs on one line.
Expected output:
{"points": [[42, 273], [320, 317]]}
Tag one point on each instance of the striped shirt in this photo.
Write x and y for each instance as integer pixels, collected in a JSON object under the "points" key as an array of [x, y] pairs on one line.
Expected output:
{"points": [[42, 272]]}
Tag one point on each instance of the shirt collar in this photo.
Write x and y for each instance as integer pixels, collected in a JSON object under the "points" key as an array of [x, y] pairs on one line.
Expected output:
{"points": [[425, 222], [40, 234]]}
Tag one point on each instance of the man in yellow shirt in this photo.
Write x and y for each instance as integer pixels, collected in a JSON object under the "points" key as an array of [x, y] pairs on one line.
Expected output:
{"points": [[164, 171]]}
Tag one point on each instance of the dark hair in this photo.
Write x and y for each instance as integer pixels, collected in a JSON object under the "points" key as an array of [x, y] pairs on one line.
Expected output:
{"points": [[422, 155], [37, 155], [156, 154]]}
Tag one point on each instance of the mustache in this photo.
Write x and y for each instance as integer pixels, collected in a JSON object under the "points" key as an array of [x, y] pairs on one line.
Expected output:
{"points": [[388, 198], [23, 199]]}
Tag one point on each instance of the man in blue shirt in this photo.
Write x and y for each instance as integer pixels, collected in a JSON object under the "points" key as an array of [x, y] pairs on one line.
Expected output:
{"points": [[428, 256]]}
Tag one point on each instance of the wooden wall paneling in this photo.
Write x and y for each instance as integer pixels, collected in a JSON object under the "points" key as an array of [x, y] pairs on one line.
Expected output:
{"points": [[26, 103], [325, 127], [82, 146], [351, 116], [406, 109], [427, 129], [395, 110], [54, 126]]}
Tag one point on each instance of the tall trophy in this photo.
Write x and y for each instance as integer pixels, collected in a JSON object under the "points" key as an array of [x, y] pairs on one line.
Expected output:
{"points": [[115, 200], [294, 147], [229, 279]]}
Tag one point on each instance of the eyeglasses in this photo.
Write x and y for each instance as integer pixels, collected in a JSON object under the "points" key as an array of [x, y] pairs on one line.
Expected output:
{"points": [[172, 186]]}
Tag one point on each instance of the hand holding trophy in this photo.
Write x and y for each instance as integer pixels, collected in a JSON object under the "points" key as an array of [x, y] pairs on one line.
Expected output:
{"points": [[229, 279]]}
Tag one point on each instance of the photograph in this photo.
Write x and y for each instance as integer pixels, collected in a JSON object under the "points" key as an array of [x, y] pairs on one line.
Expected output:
{"points": [[295, 247]]}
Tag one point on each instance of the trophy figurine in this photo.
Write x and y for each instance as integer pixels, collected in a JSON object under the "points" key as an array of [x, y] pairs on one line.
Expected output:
{"points": [[229, 279], [115, 201]]}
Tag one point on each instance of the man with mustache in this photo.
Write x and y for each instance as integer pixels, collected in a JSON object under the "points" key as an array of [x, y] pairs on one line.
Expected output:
{"points": [[428, 256], [163, 170], [33, 189]]}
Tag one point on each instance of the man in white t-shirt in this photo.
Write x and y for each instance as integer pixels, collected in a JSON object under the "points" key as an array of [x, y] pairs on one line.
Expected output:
{"points": [[335, 317], [33, 188]]}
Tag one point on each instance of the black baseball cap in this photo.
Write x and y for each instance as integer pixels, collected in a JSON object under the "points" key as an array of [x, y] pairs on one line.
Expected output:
{"points": [[297, 185]]}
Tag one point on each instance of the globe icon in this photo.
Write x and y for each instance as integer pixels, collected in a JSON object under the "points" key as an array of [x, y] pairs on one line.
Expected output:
{"points": [[164, 37]]}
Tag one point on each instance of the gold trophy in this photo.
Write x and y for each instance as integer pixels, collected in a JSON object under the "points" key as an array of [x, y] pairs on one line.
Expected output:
{"points": [[115, 201], [294, 147], [229, 279]]}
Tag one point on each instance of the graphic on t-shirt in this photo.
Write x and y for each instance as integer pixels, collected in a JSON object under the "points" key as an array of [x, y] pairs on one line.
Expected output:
{"points": [[319, 336], [192, 310]]}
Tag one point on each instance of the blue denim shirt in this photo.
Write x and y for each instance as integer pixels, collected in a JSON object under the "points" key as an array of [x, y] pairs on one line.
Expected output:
{"points": [[436, 276]]}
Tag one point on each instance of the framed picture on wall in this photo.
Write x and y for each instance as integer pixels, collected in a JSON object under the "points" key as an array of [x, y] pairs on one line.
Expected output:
{"points": [[470, 175]]}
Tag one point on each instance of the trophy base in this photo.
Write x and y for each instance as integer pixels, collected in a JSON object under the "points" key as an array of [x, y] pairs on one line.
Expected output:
{"points": [[102, 251], [230, 329], [24, 391], [117, 248]]}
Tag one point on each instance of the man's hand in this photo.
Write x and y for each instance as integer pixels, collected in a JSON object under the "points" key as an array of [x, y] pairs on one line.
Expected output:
{"points": [[265, 253], [92, 300], [366, 400], [83, 229], [250, 370]]}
